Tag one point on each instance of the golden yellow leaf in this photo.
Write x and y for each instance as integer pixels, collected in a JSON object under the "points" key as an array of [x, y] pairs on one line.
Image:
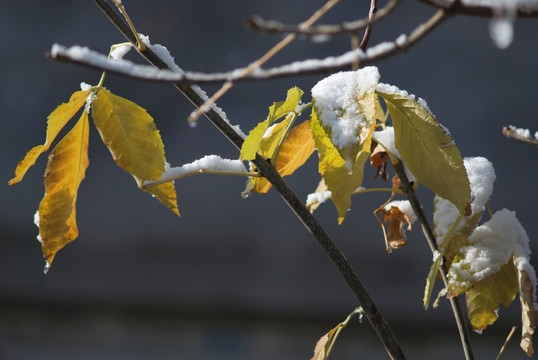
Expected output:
{"points": [[483, 300], [430, 280], [130, 134], [296, 149], [65, 171], [55, 123]]}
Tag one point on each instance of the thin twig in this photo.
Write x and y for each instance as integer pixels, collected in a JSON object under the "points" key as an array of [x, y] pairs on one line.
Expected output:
{"points": [[272, 26], [306, 67], [512, 332], [512, 133], [258, 63], [430, 238], [371, 312], [368, 31]]}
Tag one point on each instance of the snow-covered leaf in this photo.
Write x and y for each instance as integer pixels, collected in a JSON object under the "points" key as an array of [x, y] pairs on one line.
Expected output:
{"points": [[428, 150], [347, 107], [484, 299]]}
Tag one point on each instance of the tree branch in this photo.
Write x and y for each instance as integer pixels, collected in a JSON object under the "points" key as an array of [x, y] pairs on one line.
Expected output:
{"points": [[375, 318], [513, 133], [457, 7], [273, 26], [430, 238], [306, 67], [368, 31]]}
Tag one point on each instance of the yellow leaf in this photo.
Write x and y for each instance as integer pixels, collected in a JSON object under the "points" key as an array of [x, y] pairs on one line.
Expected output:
{"points": [[55, 123], [276, 111], [339, 178], [296, 149], [130, 134], [483, 300], [65, 171], [428, 150]]}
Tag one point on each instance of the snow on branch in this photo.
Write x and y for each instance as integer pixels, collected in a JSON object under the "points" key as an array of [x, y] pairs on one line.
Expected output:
{"points": [[87, 57]]}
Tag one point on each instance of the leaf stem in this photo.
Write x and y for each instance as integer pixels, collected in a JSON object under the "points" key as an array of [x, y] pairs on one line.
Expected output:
{"points": [[430, 238], [139, 44], [341, 326]]}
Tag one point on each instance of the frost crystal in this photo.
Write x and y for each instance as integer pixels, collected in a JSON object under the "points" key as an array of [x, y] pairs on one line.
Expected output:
{"points": [[336, 100]]}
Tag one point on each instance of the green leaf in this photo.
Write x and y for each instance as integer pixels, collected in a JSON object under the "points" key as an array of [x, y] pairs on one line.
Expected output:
{"points": [[339, 178], [428, 150], [276, 111], [483, 300], [130, 134]]}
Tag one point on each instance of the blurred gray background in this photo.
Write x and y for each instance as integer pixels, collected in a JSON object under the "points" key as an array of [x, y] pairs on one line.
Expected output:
{"points": [[238, 278]]}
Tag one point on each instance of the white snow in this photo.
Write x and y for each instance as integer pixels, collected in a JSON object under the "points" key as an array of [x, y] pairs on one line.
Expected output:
{"points": [[386, 139], [405, 207], [490, 246], [335, 98], [119, 51], [84, 86], [481, 176], [521, 132], [318, 198], [208, 162]]}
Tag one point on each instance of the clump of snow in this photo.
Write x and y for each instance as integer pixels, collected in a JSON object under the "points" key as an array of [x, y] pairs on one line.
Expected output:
{"points": [[481, 176], [520, 131], [501, 31], [489, 247], [386, 139], [405, 207], [84, 86], [318, 198], [208, 162], [335, 99]]}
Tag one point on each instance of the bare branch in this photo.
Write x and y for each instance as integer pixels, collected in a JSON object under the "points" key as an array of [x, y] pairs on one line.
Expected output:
{"points": [[516, 134], [273, 26], [368, 31], [524, 9]]}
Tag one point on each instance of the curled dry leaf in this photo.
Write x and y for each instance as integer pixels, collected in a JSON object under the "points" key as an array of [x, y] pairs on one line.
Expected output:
{"points": [[379, 159]]}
